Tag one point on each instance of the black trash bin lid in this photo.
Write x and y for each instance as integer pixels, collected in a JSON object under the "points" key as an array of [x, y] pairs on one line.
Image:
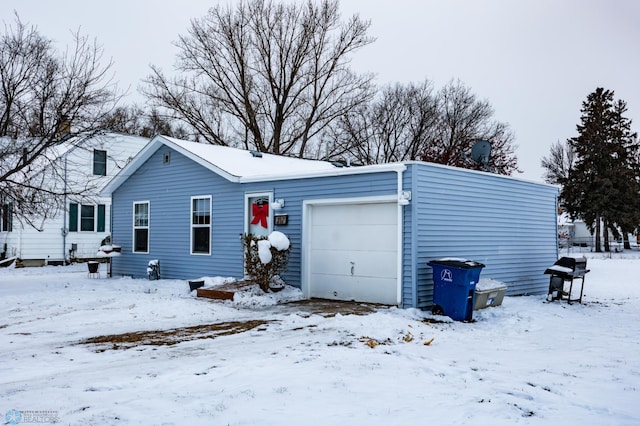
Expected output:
{"points": [[455, 262]]}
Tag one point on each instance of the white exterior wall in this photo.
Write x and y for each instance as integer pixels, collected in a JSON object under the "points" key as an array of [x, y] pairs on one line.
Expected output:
{"points": [[49, 243]]}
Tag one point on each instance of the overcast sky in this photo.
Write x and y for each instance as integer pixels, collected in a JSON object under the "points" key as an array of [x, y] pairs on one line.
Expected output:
{"points": [[535, 61]]}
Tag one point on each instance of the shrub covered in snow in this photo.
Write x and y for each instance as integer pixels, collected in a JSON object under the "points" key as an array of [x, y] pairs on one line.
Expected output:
{"points": [[279, 241], [266, 258]]}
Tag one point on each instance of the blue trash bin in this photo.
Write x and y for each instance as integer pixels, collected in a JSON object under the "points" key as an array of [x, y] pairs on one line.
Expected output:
{"points": [[454, 287]]}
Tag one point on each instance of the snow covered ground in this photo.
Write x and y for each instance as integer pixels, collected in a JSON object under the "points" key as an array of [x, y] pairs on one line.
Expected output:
{"points": [[525, 362]]}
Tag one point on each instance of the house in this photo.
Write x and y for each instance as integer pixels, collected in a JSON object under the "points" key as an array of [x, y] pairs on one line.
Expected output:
{"points": [[358, 233], [77, 228], [573, 232]]}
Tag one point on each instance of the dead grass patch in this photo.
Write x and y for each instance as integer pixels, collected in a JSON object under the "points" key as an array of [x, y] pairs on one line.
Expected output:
{"points": [[433, 321], [171, 336], [331, 308]]}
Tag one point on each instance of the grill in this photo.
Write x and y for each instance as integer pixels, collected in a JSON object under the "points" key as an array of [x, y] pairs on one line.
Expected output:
{"points": [[566, 269]]}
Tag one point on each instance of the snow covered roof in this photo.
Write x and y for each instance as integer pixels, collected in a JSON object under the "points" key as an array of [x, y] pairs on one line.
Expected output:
{"points": [[238, 165], [120, 148], [90, 141]]}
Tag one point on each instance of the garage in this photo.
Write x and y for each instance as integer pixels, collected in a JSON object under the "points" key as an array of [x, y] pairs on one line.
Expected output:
{"points": [[352, 251]]}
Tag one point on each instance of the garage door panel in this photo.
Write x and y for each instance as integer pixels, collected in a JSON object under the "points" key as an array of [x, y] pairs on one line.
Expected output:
{"points": [[353, 252], [382, 237], [371, 290], [365, 264], [354, 214]]}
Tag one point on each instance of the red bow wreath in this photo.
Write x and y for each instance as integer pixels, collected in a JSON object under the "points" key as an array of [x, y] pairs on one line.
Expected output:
{"points": [[260, 214]]}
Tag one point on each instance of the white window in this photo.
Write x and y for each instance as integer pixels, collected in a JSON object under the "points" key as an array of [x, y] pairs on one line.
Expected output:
{"points": [[141, 227], [87, 218], [201, 225], [99, 162]]}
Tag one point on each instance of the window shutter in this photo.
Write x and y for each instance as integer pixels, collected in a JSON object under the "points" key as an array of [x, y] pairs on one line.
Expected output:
{"points": [[73, 217], [7, 218], [101, 212], [9, 227]]}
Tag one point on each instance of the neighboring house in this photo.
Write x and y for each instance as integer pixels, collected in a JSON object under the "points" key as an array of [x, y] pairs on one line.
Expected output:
{"points": [[573, 232], [77, 230], [576, 233], [358, 233]]}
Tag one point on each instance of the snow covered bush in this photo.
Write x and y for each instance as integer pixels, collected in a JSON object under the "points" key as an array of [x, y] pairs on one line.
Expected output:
{"points": [[266, 257]]}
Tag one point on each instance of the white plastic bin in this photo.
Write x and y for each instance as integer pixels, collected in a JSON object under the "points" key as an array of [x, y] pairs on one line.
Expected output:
{"points": [[489, 292]]}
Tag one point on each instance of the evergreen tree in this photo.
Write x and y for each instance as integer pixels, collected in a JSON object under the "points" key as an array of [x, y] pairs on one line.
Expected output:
{"points": [[602, 187], [625, 211]]}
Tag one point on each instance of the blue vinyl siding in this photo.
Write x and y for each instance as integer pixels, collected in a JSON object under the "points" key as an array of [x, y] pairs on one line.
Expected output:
{"points": [[409, 248], [507, 224], [296, 191], [169, 188]]}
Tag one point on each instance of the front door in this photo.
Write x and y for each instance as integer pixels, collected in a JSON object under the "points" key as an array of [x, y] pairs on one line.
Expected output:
{"points": [[258, 218]]}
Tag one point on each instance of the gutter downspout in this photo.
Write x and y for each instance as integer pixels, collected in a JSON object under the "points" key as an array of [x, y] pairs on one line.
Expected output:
{"points": [[64, 230], [64, 214]]}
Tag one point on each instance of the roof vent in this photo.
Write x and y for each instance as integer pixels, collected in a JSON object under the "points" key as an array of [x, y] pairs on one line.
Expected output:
{"points": [[256, 154]]}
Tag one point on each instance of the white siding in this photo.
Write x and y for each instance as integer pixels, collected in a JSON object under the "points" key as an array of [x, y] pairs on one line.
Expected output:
{"points": [[48, 243]]}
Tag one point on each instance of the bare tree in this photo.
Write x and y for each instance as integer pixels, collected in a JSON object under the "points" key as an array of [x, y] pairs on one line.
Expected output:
{"points": [[394, 127], [134, 120], [264, 75], [45, 97], [124, 119], [559, 163], [413, 123], [464, 119]]}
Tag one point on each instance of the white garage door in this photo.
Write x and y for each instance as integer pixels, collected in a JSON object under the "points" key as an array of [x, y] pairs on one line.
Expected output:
{"points": [[353, 252]]}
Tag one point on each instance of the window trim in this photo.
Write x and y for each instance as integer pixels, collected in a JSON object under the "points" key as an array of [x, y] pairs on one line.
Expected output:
{"points": [[134, 227], [193, 226]]}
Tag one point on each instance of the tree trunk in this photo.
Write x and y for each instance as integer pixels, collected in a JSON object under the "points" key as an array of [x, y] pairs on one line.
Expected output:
{"points": [[597, 235], [625, 238], [605, 233]]}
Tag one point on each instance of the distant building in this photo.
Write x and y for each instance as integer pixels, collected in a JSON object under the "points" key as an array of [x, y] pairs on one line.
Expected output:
{"points": [[77, 230]]}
